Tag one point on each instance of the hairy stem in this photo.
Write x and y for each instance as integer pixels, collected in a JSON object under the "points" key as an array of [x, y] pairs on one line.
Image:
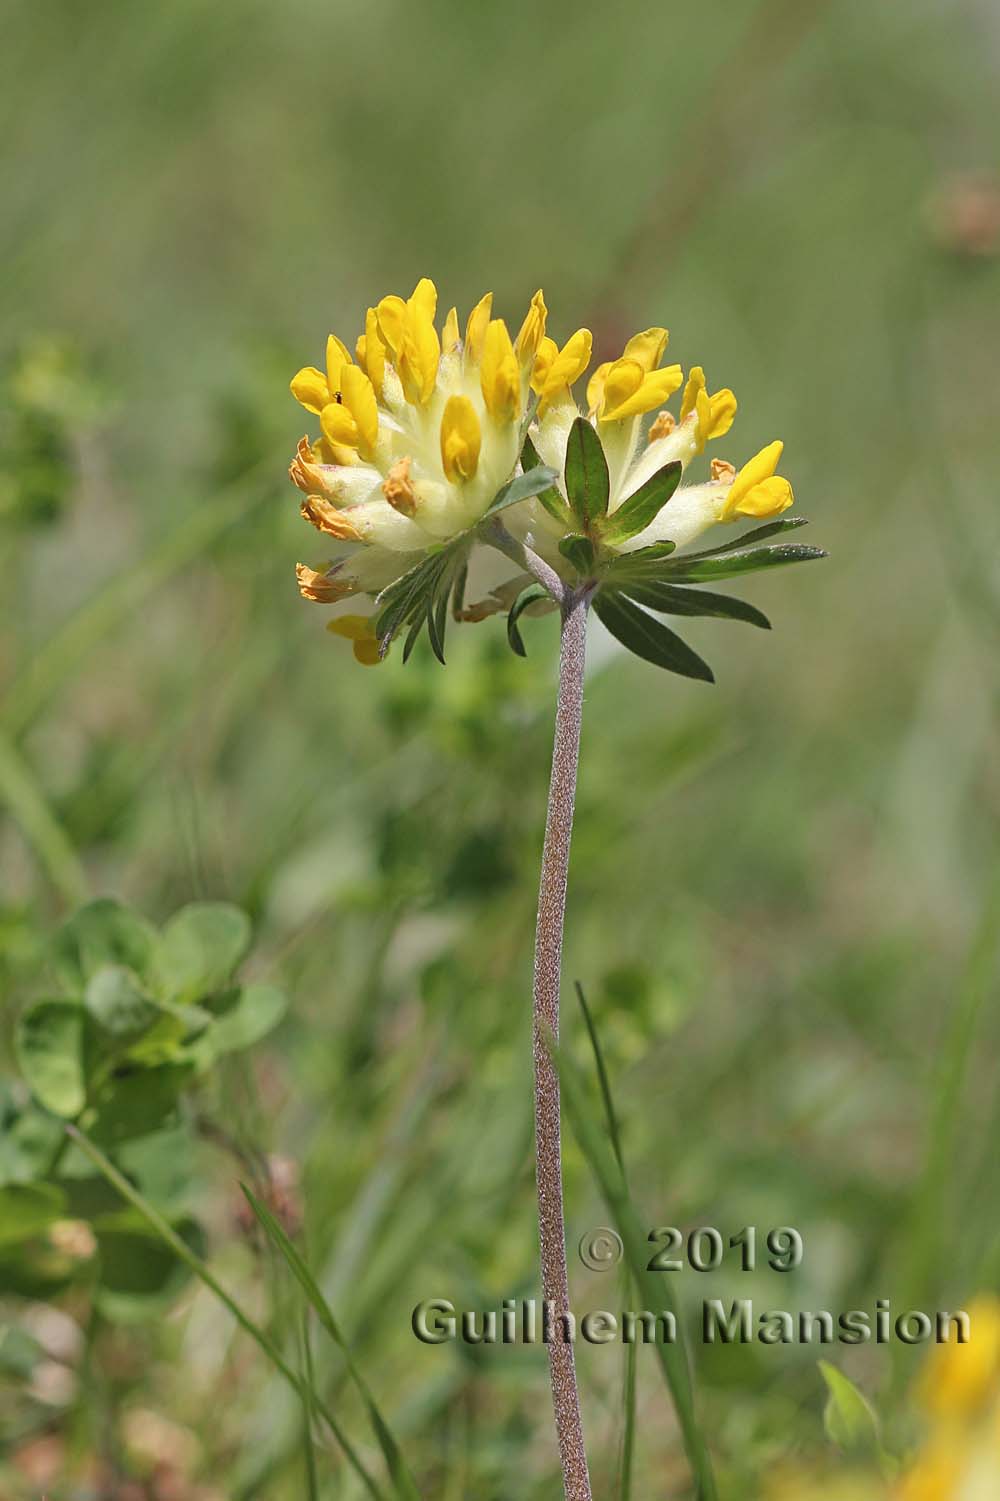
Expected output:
{"points": [[497, 535], [548, 963]]}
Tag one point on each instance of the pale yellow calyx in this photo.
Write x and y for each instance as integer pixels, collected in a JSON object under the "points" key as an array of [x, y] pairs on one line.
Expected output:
{"points": [[556, 369], [360, 631], [662, 427], [326, 517], [499, 374], [319, 585], [461, 439], [419, 349], [398, 489], [757, 490], [532, 331], [475, 329]]}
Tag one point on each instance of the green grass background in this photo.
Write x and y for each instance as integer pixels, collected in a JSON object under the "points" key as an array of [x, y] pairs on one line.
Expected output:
{"points": [[777, 882]]}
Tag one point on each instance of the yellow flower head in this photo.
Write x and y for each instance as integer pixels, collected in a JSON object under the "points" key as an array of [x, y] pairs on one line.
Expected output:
{"points": [[424, 424]]}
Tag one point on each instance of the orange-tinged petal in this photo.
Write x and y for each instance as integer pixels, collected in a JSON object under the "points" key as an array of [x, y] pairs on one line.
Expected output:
{"points": [[325, 517], [319, 585]]}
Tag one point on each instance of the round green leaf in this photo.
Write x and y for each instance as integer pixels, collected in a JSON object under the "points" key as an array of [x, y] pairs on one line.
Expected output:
{"points": [[201, 946], [49, 1047], [139, 1274], [118, 1004], [139, 1103], [255, 1011], [103, 932], [26, 1209]]}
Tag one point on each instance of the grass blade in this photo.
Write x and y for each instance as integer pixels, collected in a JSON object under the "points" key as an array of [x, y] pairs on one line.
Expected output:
{"points": [[631, 1350], [401, 1478], [654, 1291], [184, 1253]]}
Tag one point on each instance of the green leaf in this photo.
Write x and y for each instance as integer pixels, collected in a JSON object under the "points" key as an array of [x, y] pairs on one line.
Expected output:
{"points": [[849, 1419], [136, 1104], [588, 484], [522, 487], [201, 946], [636, 513], [401, 1478], [654, 1291], [692, 570], [252, 1012], [578, 550], [668, 599], [529, 596], [420, 598], [139, 1274], [103, 932], [118, 1004], [26, 1209], [647, 638], [550, 498], [49, 1044], [759, 533]]}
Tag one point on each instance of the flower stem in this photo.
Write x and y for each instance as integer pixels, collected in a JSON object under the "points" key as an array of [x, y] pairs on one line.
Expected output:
{"points": [[548, 963]]}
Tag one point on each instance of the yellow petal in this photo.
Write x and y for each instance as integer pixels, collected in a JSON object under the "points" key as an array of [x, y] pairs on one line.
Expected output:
{"points": [[532, 331], [420, 348], [310, 389], [338, 425], [475, 329], [460, 439], [647, 348], [656, 388], [723, 410], [360, 631], [623, 379], [390, 314], [595, 386], [337, 356], [371, 352], [566, 367], [359, 399], [499, 375], [449, 334], [423, 299], [760, 467], [695, 383], [769, 498], [547, 351]]}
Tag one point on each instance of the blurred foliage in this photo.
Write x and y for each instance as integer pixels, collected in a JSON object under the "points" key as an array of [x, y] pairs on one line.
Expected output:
{"points": [[776, 882]]}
